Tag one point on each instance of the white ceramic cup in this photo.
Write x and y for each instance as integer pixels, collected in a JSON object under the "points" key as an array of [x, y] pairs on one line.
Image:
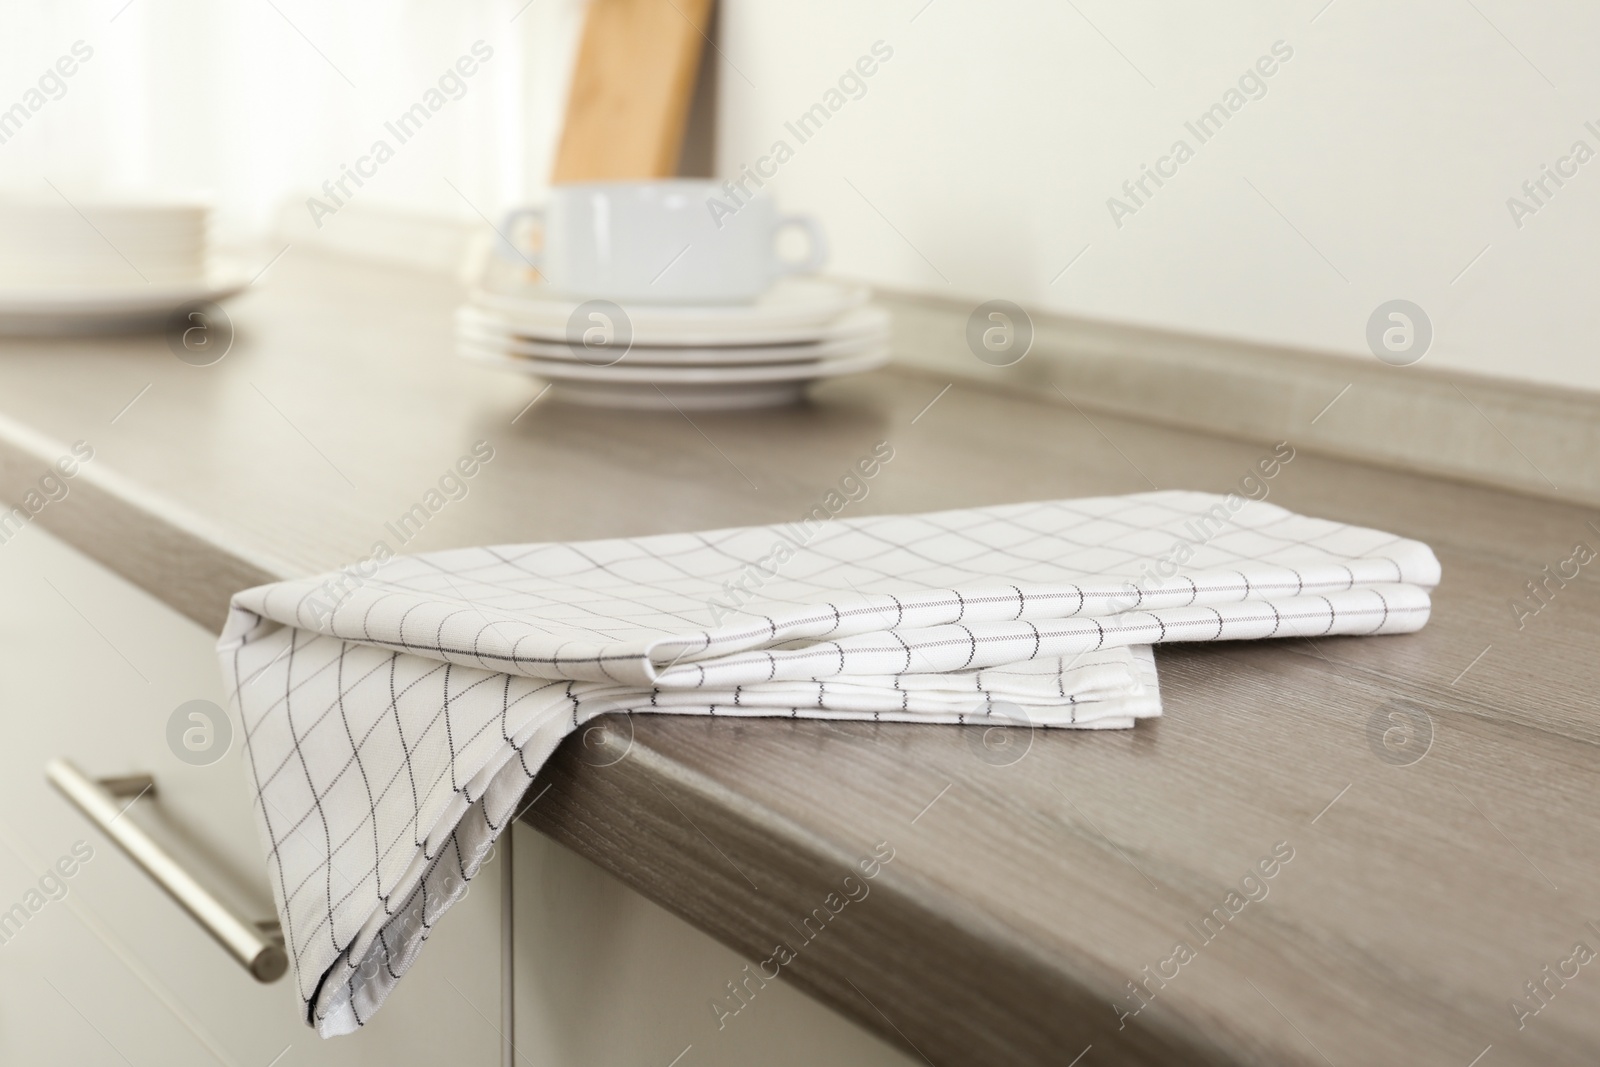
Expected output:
{"points": [[659, 242], [50, 242]]}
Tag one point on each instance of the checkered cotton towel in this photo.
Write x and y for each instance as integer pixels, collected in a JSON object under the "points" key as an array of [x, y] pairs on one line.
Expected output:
{"points": [[394, 719]]}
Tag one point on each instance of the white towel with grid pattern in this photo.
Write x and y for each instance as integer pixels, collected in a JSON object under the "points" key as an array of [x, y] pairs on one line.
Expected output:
{"points": [[394, 716]]}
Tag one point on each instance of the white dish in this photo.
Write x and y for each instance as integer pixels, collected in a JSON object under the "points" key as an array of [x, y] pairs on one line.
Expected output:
{"points": [[794, 310], [659, 241], [108, 309], [572, 370], [856, 332], [677, 388], [92, 241], [737, 396]]}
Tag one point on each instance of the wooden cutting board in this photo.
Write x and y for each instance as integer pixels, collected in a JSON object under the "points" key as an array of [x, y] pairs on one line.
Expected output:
{"points": [[631, 89]]}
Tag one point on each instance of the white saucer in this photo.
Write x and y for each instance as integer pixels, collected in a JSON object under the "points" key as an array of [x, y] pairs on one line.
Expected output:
{"points": [[795, 310], [696, 388], [573, 370], [738, 396], [856, 332], [106, 309]]}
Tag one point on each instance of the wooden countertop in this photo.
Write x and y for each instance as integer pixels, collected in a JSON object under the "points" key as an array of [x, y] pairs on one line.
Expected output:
{"points": [[1023, 897]]}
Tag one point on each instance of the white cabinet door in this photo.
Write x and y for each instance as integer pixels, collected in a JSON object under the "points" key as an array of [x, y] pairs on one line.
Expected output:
{"points": [[99, 966], [605, 977]]}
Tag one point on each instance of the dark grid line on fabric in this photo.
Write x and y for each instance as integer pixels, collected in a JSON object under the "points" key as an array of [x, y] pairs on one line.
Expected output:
{"points": [[981, 603], [833, 612], [395, 840], [420, 646], [1256, 530]]}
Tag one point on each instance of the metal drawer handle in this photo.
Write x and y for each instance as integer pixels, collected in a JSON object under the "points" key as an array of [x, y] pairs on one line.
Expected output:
{"points": [[259, 946]]}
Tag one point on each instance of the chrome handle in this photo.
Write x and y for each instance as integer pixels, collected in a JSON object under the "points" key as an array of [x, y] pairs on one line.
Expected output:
{"points": [[258, 946]]}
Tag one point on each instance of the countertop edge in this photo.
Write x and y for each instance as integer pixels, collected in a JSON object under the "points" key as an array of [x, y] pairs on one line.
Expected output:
{"points": [[672, 853], [175, 556]]}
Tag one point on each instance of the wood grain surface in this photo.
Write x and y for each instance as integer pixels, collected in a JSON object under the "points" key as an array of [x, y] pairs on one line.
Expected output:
{"points": [[629, 102], [1440, 861]]}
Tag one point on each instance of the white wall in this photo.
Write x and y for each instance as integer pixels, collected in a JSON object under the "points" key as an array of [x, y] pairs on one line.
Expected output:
{"points": [[256, 101], [983, 153]]}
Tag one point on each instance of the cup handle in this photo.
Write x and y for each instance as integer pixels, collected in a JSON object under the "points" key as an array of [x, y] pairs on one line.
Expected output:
{"points": [[506, 248], [818, 254]]}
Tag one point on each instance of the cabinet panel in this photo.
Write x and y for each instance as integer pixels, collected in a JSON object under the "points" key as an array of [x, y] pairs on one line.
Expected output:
{"points": [[604, 976], [100, 966]]}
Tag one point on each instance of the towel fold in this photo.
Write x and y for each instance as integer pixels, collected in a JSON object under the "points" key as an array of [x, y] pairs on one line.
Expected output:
{"points": [[394, 714]]}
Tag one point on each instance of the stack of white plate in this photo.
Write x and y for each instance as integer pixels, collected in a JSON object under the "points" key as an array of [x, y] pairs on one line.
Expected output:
{"points": [[93, 263], [667, 356]]}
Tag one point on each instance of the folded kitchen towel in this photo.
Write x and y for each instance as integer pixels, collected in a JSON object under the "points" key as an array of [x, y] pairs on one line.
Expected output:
{"points": [[395, 713]]}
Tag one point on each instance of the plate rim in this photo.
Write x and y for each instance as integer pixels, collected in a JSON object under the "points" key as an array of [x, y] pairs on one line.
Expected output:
{"points": [[100, 302], [557, 309], [874, 318], [749, 375]]}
